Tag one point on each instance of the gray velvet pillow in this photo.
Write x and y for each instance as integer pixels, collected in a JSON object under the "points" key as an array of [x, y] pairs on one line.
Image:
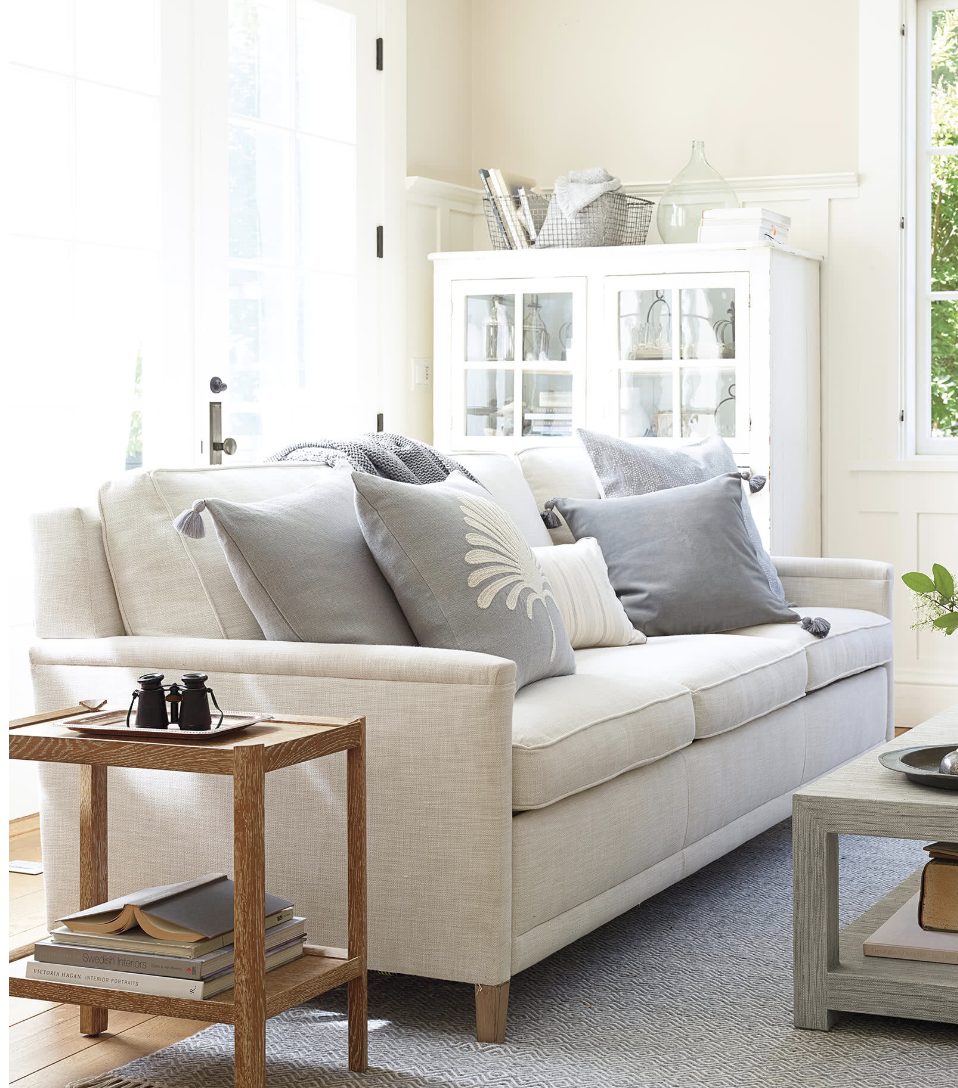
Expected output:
{"points": [[302, 565], [463, 573], [680, 560], [639, 468]]}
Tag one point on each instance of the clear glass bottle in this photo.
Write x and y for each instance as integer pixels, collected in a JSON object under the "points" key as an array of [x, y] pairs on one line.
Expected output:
{"points": [[535, 335], [696, 187]]}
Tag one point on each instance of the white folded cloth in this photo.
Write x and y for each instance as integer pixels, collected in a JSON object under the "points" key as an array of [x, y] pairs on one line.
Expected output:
{"points": [[577, 189]]}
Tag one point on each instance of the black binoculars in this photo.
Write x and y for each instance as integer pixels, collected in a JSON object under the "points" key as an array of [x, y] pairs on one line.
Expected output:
{"points": [[189, 703]]}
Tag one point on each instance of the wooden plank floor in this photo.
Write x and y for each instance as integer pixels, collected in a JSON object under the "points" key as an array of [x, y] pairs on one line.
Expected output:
{"points": [[46, 1047]]}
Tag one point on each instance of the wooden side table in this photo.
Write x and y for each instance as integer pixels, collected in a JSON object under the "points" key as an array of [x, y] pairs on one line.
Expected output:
{"points": [[248, 757]]}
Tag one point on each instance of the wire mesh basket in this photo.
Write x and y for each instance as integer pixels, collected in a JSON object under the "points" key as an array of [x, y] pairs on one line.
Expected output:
{"points": [[534, 220]]}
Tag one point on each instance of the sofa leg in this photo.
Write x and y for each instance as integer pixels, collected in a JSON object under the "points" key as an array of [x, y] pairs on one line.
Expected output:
{"points": [[492, 1008]]}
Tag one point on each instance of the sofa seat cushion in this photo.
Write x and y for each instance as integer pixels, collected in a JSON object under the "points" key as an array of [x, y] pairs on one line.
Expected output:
{"points": [[732, 679], [858, 641], [573, 732]]}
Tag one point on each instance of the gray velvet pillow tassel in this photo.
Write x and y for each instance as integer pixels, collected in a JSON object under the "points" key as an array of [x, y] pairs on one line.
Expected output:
{"points": [[817, 626], [550, 519], [755, 482], [190, 522]]}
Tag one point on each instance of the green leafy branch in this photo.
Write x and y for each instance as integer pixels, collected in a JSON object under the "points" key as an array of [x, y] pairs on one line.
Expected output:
{"points": [[936, 607]]}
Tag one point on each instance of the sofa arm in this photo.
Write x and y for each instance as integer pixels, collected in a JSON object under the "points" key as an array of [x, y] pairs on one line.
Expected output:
{"points": [[439, 729], [837, 583]]}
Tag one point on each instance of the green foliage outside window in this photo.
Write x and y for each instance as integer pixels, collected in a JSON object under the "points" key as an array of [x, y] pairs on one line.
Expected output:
{"points": [[944, 223]]}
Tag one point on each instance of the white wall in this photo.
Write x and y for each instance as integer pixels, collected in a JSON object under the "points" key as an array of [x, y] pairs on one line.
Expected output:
{"points": [[799, 107], [439, 89]]}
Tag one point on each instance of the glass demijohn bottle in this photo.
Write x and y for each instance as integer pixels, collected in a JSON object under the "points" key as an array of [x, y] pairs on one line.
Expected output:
{"points": [[697, 187]]}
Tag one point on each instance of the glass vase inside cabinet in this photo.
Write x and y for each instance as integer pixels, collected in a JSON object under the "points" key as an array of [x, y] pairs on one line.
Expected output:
{"points": [[547, 327], [489, 403], [490, 328]]}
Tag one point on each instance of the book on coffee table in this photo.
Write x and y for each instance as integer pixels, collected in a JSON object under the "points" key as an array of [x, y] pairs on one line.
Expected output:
{"points": [[902, 938]]}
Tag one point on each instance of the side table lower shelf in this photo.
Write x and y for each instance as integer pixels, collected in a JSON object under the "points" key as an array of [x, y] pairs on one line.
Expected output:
{"points": [[287, 986]]}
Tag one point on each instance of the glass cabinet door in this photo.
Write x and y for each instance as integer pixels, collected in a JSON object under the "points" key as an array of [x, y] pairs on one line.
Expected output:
{"points": [[678, 367], [521, 371]]}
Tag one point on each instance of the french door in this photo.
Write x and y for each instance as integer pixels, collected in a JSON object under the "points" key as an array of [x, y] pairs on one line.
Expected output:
{"points": [[289, 194]]}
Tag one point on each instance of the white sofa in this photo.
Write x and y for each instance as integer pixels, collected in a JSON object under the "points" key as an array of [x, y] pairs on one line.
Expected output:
{"points": [[501, 826]]}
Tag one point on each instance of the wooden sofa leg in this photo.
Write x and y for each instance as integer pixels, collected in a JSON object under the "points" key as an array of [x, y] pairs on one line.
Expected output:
{"points": [[492, 1008]]}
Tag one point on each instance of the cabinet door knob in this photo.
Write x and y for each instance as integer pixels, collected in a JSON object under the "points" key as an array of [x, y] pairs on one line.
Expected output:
{"points": [[217, 385]]}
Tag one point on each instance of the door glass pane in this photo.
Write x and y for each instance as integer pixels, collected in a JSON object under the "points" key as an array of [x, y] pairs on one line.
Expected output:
{"points": [[708, 322], [944, 369], [944, 222], [259, 180], [325, 71], [645, 405], [490, 403], [708, 402], [944, 78], [546, 327], [259, 70], [645, 324], [326, 197], [490, 328], [546, 403]]}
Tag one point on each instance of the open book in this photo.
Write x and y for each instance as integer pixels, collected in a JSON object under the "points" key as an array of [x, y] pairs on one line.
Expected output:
{"points": [[191, 911]]}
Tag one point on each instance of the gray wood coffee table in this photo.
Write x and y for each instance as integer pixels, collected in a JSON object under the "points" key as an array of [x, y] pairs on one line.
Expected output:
{"points": [[832, 974]]}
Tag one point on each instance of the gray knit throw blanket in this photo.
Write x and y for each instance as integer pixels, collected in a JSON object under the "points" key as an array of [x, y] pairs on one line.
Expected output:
{"points": [[393, 456]]}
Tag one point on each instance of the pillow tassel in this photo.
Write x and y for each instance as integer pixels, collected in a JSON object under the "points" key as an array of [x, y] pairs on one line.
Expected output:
{"points": [[753, 479], [190, 522], [817, 627], [550, 519]]}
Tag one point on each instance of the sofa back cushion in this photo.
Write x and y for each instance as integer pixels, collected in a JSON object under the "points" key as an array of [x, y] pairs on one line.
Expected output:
{"points": [[167, 584], [501, 476], [559, 471]]}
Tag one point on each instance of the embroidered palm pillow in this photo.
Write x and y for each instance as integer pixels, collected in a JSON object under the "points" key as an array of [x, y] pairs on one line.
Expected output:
{"points": [[463, 573]]}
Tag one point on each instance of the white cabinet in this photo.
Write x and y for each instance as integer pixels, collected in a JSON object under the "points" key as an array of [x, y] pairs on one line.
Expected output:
{"points": [[669, 343]]}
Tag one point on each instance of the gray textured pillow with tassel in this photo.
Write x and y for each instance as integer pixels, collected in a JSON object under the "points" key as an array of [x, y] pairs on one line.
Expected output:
{"points": [[301, 563]]}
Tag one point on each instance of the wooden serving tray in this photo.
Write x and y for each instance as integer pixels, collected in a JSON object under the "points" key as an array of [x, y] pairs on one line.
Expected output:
{"points": [[112, 723]]}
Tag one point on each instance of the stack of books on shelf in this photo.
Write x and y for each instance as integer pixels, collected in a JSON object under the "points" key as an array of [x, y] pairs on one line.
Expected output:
{"points": [[738, 226], [926, 927], [170, 941]]}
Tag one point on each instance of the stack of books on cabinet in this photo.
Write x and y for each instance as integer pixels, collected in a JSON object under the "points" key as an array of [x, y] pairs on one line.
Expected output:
{"points": [[738, 226], [170, 941]]}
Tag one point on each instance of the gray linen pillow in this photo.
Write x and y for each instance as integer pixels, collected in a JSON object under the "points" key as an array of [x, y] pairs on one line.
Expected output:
{"points": [[639, 468], [680, 560], [463, 573], [302, 565]]}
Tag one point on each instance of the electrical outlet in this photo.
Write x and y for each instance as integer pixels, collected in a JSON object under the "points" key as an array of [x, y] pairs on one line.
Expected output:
{"points": [[421, 373]]}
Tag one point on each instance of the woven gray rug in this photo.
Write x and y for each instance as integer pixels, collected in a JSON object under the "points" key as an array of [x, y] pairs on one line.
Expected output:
{"points": [[691, 988]]}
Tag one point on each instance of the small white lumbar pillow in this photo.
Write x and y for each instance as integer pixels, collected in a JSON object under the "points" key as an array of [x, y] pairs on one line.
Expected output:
{"points": [[590, 610]]}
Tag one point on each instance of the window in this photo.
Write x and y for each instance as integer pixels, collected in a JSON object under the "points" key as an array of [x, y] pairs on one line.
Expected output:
{"points": [[936, 252]]}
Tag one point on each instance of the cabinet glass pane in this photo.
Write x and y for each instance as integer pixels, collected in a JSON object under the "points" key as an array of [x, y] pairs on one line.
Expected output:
{"points": [[546, 327], [708, 322], [490, 328], [645, 325], [708, 402], [489, 403], [645, 405], [546, 403]]}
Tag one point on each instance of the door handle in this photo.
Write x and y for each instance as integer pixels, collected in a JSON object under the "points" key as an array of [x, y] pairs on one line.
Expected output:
{"points": [[218, 444]]}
